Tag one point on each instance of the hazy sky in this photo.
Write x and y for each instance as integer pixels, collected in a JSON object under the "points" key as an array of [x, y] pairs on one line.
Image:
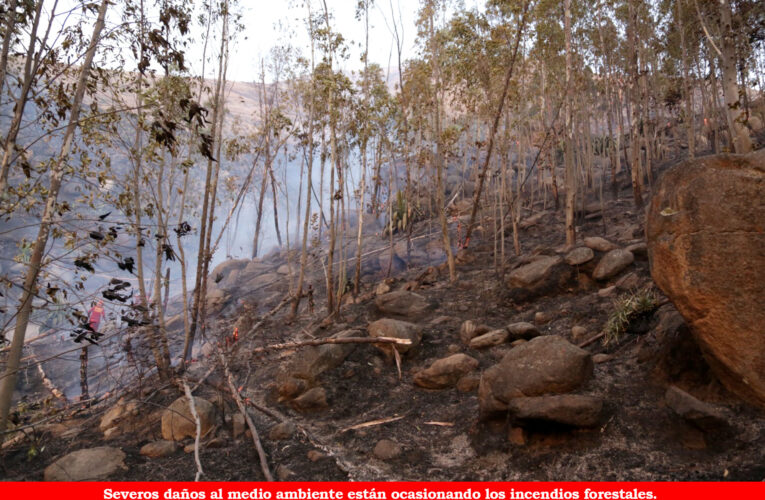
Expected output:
{"points": [[269, 23]]}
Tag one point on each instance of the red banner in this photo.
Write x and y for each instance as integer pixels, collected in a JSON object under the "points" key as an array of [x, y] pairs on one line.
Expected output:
{"points": [[382, 491]]}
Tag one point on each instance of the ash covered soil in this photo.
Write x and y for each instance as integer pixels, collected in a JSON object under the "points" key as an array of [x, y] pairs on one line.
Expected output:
{"points": [[414, 433]]}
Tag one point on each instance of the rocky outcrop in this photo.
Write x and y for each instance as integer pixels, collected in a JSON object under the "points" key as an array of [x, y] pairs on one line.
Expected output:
{"points": [[544, 365], [91, 464], [178, 422], [706, 244]]}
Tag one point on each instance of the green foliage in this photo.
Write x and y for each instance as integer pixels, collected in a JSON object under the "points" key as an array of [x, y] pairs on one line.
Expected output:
{"points": [[628, 308]]}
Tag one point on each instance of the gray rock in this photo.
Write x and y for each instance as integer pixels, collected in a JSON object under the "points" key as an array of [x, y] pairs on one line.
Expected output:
{"points": [[703, 415], [494, 337], [469, 330], [227, 266], [446, 372], [579, 256], [612, 264], [533, 273], [599, 244], [90, 464], [522, 330], [543, 365], [315, 360], [402, 303], [567, 409], [388, 327]]}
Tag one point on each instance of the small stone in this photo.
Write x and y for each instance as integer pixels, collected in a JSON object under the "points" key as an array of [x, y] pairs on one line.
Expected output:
{"points": [[385, 449], [283, 473], [189, 448], [315, 456], [541, 317], [159, 449], [311, 400], [491, 339], [522, 330], [441, 320], [469, 330], [602, 358], [281, 431], [607, 291], [453, 348], [518, 342], [446, 372], [516, 436], [578, 333], [599, 244], [382, 288]]}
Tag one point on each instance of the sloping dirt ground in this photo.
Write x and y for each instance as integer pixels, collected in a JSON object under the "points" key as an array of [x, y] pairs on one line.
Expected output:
{"points": [[439, 431]]}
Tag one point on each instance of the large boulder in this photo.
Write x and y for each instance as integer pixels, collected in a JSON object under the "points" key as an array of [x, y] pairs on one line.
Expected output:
{"points": [[544, 365], [178, 422], [92, 464], [402, 303], [706, 244]]}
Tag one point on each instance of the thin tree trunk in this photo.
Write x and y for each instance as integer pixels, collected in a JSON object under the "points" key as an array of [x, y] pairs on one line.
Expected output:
{"points": [[735, 112], [570, 176], [8, 382]]}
